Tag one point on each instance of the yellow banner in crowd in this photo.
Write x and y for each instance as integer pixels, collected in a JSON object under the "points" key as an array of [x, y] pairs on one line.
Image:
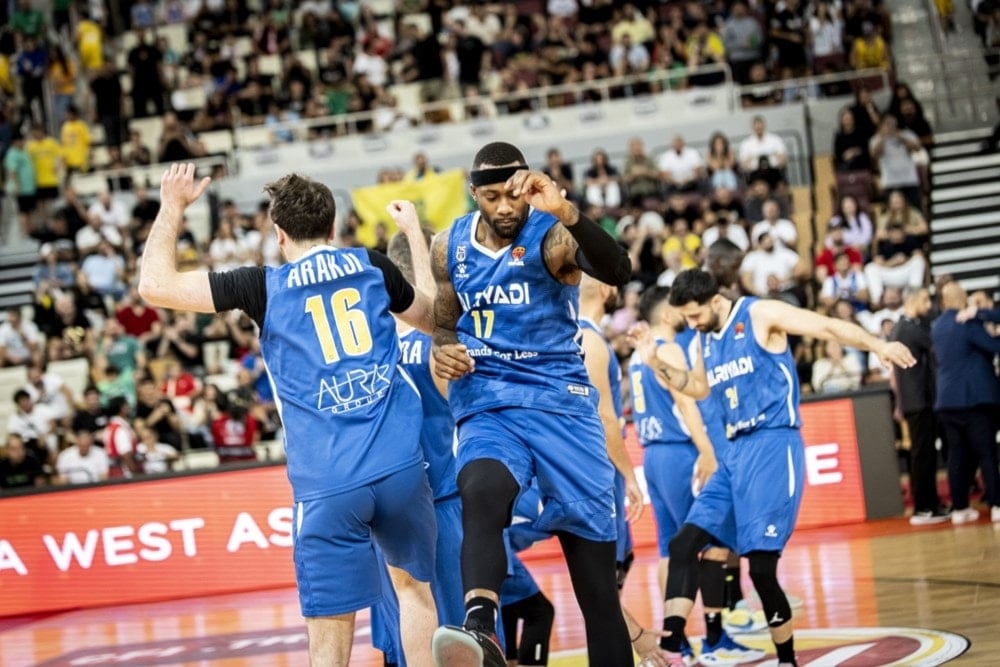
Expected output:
{"points": [[439, 198]]}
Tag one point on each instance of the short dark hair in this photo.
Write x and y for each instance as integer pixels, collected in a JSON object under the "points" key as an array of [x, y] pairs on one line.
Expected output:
{"points": [[723, 262], [399, 253], [302, 207], [650, 301], [498, 154], [115, 405], [693, 285], [19, 394]]}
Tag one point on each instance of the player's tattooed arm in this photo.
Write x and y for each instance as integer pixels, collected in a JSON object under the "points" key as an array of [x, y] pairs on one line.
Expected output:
{"points": [[451, 360], [447, 308], [559, 250]]}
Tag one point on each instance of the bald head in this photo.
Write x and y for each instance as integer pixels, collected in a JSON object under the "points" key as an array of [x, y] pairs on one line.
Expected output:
{"points": [[594, 293], [953, 296]]}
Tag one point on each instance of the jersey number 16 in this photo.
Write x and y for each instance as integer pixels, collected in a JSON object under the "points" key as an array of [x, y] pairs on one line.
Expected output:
{"points": [[353, 333]]}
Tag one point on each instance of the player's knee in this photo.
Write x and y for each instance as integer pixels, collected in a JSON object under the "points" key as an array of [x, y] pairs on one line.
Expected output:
{"points": [[764, 574], [687, 543], [486, 483]]}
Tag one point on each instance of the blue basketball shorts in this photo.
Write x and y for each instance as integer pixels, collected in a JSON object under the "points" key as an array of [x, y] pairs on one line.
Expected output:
{"points": [[752, 501], [336, 568], [668, 470], [566, 452]]}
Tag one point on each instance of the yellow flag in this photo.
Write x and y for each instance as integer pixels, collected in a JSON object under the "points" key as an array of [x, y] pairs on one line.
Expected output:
{"points": [[439, 198]]}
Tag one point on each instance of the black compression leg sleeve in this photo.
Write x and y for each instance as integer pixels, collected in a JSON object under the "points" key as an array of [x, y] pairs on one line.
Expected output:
{"points": [[538, 615], [592, 570], [488, 491], [712, 582], [682, 573], [764, 574]]}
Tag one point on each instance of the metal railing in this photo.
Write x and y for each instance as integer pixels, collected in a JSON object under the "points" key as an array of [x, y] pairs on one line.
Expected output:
{"points": [[461, 109], [811, 87]]}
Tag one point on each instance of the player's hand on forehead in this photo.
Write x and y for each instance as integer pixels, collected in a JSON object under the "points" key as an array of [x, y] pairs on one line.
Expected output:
{"points": [[538, 190]]}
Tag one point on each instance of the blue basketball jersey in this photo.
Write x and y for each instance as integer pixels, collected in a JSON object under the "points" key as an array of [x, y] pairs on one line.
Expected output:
{"points": [[654, 413], [350, 414], [437, 433], [614, 368], [710, 409], [519, 324], [753, 388]]}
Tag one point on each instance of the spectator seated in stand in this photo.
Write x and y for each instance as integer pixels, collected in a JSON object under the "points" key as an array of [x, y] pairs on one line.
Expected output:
{"points": [[234, 430], [19, 468], [781, 230], [771, 270], [83, 462], [898, 262], [834, 245], [836, 372], [682, 169], [858, 230], [847, 282], [602, 183]]}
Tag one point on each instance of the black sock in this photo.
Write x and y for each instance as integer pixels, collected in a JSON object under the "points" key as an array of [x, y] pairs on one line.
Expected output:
{"points": [[675, 626], [734, 592], [713, 628], [786, 652], [481, 614]]}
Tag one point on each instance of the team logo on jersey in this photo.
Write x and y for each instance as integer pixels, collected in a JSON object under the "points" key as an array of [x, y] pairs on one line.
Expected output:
{"points": [[739, 330], [460, 253], [516, 256], [771, 531]]}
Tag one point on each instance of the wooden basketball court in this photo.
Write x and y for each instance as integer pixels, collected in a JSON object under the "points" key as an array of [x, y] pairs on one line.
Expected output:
{"points": [[883, 574]]}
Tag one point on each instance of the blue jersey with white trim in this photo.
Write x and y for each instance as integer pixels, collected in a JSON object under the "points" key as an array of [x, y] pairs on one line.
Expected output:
{"points": [[437, 432], [614, 368], [519, 324], [656, 417], [329, 343], [755, 389]]}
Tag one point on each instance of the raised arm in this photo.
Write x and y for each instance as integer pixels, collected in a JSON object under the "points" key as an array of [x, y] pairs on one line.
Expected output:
{"points": [[450, 357], [777, 317], [420, 314], [579, 244], [597, 358], [160, 283]]}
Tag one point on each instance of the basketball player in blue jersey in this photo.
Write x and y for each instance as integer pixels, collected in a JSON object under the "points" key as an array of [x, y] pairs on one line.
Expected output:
{"points": [[752, 501], [605, 374], [437, 440], [679, 458], [507, 337], [351, 416]]}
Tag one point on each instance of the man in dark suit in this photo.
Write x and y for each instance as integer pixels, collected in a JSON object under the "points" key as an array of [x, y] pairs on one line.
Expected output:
{"points": [[915, 395], [968, 399]]}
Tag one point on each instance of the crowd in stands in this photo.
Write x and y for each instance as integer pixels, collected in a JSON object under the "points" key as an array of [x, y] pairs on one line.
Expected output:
{"points": [[214, 65]]}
